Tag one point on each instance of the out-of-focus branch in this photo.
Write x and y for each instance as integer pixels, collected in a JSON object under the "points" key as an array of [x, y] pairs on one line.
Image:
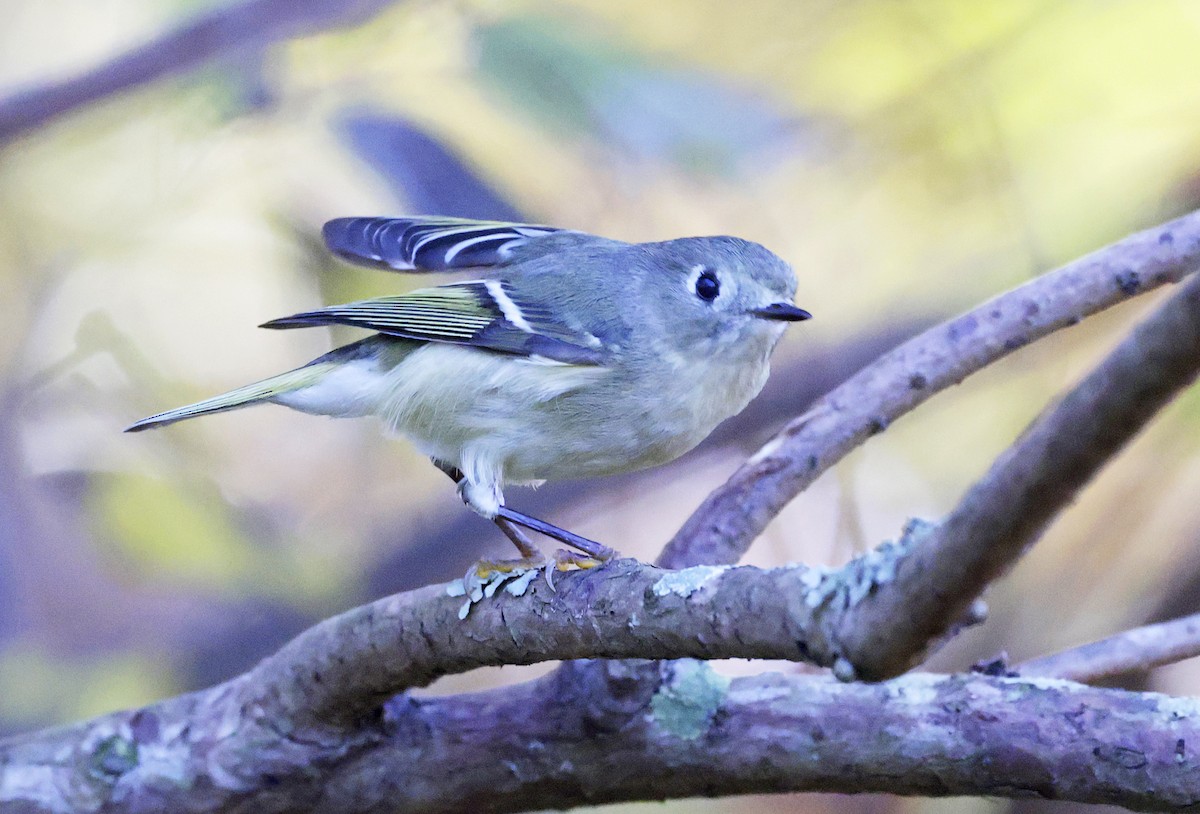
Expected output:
{"points": [[934, 582], [732, 516], [1137, 649], [241, 26], [559, 742]]}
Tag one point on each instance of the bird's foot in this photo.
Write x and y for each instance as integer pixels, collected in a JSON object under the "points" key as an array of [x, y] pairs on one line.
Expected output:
{"points": [[490, 569], [597, 551], [564, 560], [488, 501], [486, 577]]}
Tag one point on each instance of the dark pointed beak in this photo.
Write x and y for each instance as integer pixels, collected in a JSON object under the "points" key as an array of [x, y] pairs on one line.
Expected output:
{"points": [[782, 311]]}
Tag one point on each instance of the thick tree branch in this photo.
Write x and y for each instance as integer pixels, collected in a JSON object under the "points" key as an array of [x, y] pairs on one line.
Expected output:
{"points": [[1137, 649], [920, 734], [342, 669], [561, 742], [233, 28], [303, 731], [731, 517], [1006, 511]]}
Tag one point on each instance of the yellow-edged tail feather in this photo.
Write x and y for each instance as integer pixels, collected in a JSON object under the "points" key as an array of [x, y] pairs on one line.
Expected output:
{"points": [[265, 390]]}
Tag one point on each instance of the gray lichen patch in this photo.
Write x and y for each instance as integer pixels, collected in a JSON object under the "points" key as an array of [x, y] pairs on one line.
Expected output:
{"points": [[476, 587], [684, 706], [843, 588], [688, 581]]}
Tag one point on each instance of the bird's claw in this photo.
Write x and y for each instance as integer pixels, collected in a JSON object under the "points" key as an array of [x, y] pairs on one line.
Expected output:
{"points": [[564, 560], [484, 578]]}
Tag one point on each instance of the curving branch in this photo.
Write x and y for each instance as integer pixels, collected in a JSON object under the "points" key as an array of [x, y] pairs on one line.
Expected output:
{"points": [[344, 668], [1007, 510], [723, 527], [702, 735], [233, 28], [307, 729], [1138, 649]]}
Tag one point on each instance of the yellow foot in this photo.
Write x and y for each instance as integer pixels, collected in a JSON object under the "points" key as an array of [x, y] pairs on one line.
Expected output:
{"points": [[486, 577], [565, 560], [489, 569]]}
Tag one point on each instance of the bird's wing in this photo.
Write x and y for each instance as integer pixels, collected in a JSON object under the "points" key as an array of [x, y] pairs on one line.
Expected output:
{"points": [[481, 313], [428, 243]]}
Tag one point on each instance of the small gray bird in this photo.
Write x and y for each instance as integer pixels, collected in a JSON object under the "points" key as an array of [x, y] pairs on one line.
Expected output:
{"points": [[570, 356]]}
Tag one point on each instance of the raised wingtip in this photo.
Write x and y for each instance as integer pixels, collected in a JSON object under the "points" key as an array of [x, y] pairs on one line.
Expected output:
{"points": [[334, 231], [355, 240]]}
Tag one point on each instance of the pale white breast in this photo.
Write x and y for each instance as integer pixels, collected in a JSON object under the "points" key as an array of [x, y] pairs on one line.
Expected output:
{"points": [[445, 397]]}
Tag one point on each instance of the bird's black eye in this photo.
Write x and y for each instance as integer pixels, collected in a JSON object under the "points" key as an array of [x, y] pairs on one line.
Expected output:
{"points": [[708, 286]]}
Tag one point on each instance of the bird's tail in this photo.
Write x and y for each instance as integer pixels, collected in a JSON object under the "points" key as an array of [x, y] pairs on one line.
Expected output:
{"points": [[256, 393]]}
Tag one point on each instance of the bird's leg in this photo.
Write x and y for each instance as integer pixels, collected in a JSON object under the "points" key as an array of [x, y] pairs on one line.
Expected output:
{"points": [[509, 519], [513, 532], [597, 551], [531, 557]]}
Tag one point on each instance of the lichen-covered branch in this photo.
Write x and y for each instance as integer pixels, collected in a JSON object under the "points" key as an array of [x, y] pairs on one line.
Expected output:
{"points": [[1138, 649], [308, 730], [227, 30], [566, 740], [1006, 511], [342, 669], [731, 517], [318, 700], [699, 734]]}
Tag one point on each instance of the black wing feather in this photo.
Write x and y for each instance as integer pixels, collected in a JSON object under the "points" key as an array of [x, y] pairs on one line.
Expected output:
{"points": [[427, 243]]}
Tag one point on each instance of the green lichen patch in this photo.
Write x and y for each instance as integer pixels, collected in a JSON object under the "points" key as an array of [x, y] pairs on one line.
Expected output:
{"points": [[685, 705], [113, 757]]}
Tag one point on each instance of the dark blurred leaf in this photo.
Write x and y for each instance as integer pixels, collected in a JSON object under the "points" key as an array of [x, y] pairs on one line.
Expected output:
{"points": [[426, 175]]}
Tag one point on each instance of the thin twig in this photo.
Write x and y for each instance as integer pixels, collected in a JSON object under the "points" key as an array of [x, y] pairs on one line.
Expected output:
{"points": [[1137, 649], [242, 26], [1007, 510], [730, 518]]}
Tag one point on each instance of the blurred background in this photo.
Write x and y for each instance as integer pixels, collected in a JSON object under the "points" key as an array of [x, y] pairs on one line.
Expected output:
{"points": [[910, 158]]}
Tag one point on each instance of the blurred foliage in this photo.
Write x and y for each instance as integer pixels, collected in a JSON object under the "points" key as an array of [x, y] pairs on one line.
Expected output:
{"points": [[584, 85], [909, 157]]}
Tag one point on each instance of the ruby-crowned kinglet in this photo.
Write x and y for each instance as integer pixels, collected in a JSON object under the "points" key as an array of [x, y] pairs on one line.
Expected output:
{"points": [[570, 356]]}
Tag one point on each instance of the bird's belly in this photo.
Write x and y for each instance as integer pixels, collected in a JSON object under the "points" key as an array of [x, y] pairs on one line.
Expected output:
{"points": [[528, 422], [587, 434], [579, 443], [563, 438]]}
